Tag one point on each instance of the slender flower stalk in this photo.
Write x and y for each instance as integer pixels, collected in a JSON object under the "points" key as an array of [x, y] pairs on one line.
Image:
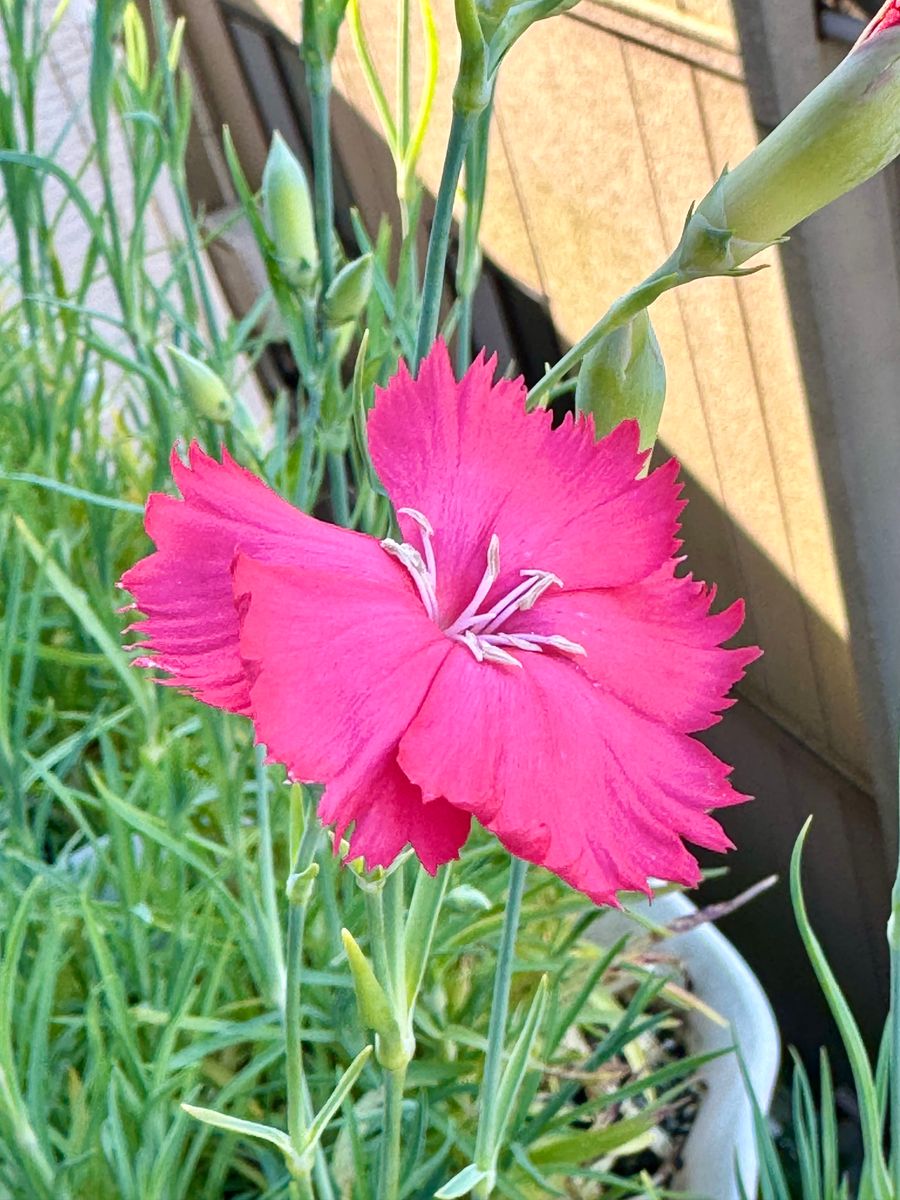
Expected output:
{"points": [[391, 1134], [485, 1142], [623, 311], [319, 80], [277, 968], [469, 268], [461, 129], [298, 889], [388, 909]]}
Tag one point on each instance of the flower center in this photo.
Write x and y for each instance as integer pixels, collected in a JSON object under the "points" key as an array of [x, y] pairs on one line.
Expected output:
{"points": [[482, 632]]}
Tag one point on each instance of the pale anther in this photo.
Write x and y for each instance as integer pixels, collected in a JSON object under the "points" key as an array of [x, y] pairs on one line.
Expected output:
{"points": [[481, 632]]}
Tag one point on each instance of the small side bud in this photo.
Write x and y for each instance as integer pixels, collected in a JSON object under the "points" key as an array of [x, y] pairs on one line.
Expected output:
{"points": [[289, 213], [203, 388], [487, 30], [375, 1010], [300, 884], [349, 292], [137, 55], [624, 377]]}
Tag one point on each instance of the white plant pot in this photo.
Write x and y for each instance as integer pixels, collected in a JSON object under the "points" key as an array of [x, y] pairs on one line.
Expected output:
{"points": [[721, 1142]]}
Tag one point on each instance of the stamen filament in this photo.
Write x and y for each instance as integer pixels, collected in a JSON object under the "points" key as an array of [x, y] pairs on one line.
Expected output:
{"points": [[427, 534], [481, 633], [468, 615], [520, 598], [412, 560]]}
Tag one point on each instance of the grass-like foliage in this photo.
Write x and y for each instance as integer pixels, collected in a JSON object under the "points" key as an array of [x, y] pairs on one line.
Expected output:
{"points": [[814, 1170]]}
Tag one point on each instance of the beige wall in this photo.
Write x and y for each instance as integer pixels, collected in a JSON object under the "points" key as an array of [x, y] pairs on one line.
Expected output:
{"points": [[608, 125]]}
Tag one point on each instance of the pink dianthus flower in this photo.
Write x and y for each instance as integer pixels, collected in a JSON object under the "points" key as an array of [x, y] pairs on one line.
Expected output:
{"points": [[525, 652]]}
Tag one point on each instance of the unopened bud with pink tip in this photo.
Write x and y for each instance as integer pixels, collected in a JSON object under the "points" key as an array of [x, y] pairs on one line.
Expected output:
{"points": [[886, 18], [844, 132]]}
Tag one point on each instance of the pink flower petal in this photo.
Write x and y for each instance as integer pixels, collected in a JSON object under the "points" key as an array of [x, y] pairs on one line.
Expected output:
{"points": [[652, 644], [184, 588], [389, 812], [566, 774], [339, 667], [468, 457]]}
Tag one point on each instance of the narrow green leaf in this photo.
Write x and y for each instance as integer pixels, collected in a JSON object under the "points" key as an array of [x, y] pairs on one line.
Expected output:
{"points": [[572, 1149], [462, 1183], [76, 600], [421, 922], [252, 1129], [867, 1096], [514, 1072], [336, 1099], [114, 993]]}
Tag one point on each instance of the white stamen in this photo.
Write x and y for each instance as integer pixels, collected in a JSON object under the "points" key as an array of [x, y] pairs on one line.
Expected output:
{"points": [[420, 519], [492, 653], [481, 633], [427, 534], [474, 644], [566, 645], [421, 577], [521, 598], [491, 572], [508, 639]]}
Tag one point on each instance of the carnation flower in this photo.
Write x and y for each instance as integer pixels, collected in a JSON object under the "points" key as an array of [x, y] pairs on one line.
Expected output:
{"points": [[523, 652]]}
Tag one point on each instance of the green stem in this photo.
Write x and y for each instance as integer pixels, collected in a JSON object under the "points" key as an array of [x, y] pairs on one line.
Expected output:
{"points": [[267, 882], [337, 478], [421, 923], [435, 262], [386, 934], [394, 910], [620, 313], [318, 76], [464, 335], [296, 928], [485, 1148], [297, 1105], [391, 1140], [377, 935], [468, 269]]}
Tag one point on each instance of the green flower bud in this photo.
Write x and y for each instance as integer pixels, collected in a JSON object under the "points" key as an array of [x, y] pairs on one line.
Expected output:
{"points": [[624, 377], [289, 212], [842, 134], [203, 388], [391, 1049], [487, 30], [137, 54], [349, 292], [472, 92]]}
